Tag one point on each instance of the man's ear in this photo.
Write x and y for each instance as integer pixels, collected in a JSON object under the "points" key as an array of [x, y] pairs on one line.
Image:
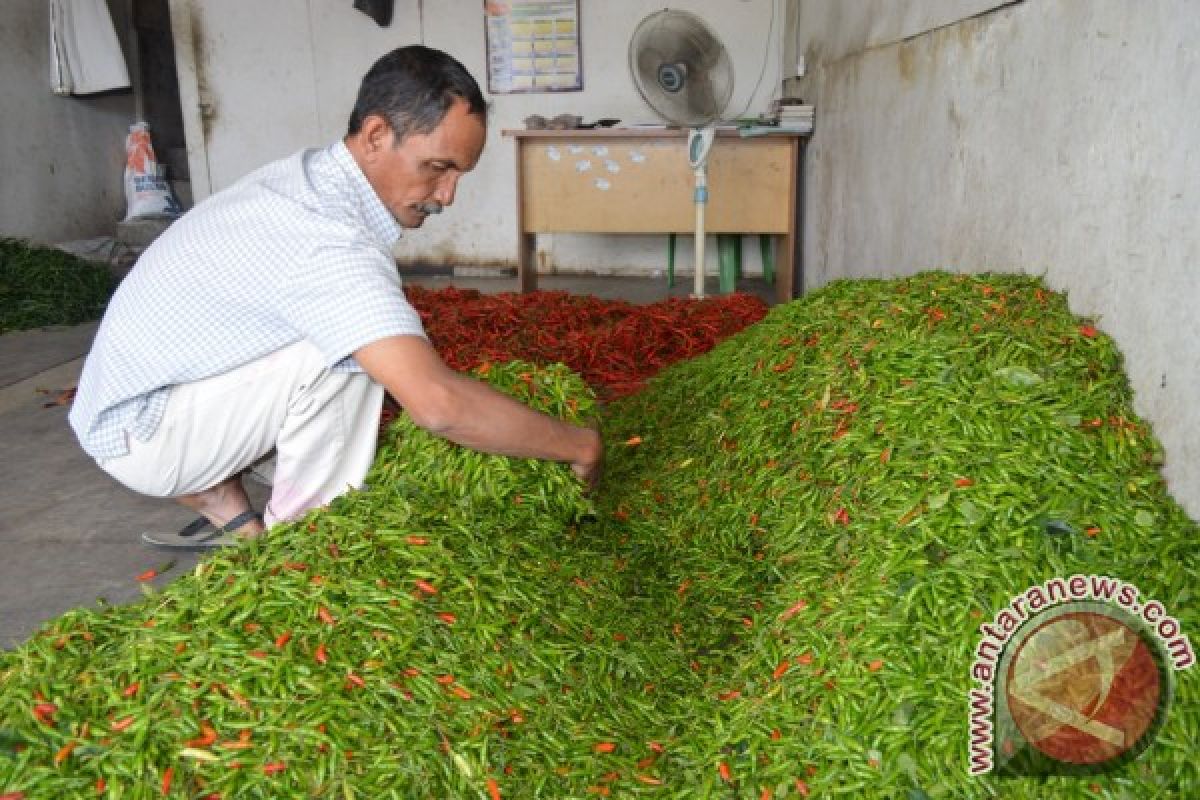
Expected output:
{"points": [[376, 134]]}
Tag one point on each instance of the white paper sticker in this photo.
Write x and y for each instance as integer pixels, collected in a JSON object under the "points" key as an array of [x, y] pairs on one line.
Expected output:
{"points": [[575, 149], [637, 156], [612, 166], [603, 185], [583, 165], [553, 153], [600, 151]]}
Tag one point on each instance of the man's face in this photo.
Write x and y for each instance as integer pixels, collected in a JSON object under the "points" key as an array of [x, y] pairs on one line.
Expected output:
{"points": [[418, 176]]}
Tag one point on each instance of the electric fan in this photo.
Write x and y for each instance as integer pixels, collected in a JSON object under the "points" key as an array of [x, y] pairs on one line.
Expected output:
{"points": [[684, 73]]}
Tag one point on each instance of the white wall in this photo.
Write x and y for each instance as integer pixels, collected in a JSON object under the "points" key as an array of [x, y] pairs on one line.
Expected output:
{"points": [[1059, 138], [62, 159], [829, 29], [280, 75]]}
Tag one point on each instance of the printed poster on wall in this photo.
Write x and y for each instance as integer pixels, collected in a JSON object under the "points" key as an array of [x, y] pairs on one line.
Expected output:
{"points": [[533, 46]]}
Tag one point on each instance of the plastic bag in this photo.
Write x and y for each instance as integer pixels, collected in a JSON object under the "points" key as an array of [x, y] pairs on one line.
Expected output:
{"points": [[147, 192]]}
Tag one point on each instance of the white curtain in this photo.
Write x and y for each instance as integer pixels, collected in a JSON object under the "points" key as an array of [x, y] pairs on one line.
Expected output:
{"points": [[85, 56]]}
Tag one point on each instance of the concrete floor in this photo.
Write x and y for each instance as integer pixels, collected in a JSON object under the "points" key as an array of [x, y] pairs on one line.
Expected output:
{"points": [[69, 533]]}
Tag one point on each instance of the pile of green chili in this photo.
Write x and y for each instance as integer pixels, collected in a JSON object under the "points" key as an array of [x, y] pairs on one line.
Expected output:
{"points": [[43, 286], [776, 592]]}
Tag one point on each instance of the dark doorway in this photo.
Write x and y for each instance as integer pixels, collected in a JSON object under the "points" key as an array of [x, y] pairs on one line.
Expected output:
{"points": [[159, 92]]}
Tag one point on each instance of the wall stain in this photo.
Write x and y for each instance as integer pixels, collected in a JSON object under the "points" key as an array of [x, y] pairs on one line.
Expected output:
{"points": [[448, 259], [956, 119], [905, 61], [208, 109]]}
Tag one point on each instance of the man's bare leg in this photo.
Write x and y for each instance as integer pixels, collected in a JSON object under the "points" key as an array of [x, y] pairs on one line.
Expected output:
{"points": [[222, 503]]}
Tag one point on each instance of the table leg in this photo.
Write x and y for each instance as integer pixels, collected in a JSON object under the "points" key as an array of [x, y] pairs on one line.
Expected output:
{"points": [[784, 266], [526, 262]]}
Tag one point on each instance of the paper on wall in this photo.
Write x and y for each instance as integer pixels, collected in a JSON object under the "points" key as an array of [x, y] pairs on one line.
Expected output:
{"points": [[85, 56]]}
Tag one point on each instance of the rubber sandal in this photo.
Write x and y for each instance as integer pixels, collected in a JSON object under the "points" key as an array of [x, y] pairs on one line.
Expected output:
{"points": [[200, 534]]}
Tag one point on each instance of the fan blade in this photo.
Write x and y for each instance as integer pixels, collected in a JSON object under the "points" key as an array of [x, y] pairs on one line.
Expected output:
{"points": [[699, 48], [648, 61], [700, 101]]}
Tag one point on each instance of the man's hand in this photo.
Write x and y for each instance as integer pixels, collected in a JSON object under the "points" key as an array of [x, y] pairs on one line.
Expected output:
{"points": [[591, 467], [471, 413]]}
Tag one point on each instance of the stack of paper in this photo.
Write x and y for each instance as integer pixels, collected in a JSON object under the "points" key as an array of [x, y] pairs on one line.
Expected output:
{"points": [[796, 117]]}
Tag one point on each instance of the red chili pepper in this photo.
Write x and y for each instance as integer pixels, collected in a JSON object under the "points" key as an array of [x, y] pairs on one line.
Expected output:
{"points": [[793, 610], [782, 669], [282, 639], [493, 789], [615, 345], [148, 575], [274, 767], [324, 615], [44, 713], [605, 747], [121, 724], [460, 692], [168, 773], [131, 689], [64, 752], [425, 587], [724, 771], [207, 736], [356, 680], [101, 785], [321, 655], [447, 617], [786, 364], [445, 680], [416, 541]]}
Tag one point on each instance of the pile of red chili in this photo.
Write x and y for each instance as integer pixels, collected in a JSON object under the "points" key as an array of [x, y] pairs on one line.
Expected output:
{"points": [[615, 345]]}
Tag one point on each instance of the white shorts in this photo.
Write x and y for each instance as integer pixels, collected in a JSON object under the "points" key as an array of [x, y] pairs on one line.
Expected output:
{"points": [[321, 424]]}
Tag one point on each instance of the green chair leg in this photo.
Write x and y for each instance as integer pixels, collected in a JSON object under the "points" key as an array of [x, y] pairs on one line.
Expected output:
{"points": [[727, 257], [737, 254], [670, 261], [768, 258]]}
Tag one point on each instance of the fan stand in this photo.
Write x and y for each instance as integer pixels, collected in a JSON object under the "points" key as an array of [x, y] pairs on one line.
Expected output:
{"points": [[699, 144]]}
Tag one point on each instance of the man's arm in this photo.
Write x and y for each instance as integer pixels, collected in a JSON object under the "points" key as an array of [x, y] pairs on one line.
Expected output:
{"points": [[473, 414]]}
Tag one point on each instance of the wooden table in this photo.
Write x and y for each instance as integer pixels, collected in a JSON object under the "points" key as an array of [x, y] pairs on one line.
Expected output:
{"points": [[637, 180]]}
